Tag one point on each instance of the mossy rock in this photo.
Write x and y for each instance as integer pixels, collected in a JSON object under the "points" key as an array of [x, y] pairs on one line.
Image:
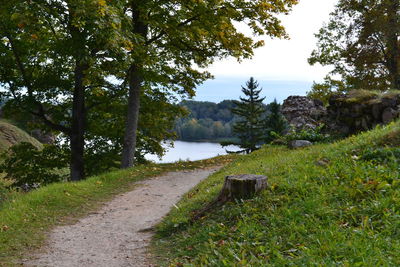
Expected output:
{"points": [[11, 135]]}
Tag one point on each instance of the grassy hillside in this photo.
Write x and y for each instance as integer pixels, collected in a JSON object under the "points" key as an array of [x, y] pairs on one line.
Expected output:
{"points": [[11, 135], [327, 205]]}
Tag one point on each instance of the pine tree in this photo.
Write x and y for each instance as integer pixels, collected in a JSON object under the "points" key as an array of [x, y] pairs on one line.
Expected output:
{"points": [[249, 129], [275, 123]]}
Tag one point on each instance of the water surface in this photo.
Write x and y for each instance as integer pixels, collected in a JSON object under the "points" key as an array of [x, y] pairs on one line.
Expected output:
{"points": [[191, 151]]}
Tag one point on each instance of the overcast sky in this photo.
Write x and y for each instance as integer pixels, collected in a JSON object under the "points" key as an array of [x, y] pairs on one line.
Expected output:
{"points": [[286, 59], [282, 62]]}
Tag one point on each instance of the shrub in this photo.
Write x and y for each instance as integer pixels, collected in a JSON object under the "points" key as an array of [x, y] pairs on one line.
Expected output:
{"points": [[312, 135], [28, 166]]}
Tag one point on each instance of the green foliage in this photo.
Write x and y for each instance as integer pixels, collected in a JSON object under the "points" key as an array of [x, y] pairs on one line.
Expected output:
{"points": [[56, 59], [324, 207], [312, 135], [324, 91], [202, 129], [360, 41], [209, 110], [25, 164], [187, 33], [275, 123], [5, 190], [158, 114], [210, 121], [382, 155]]}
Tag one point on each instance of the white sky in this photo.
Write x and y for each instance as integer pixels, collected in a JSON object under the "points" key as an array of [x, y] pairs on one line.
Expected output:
{"points": [[285, 59]]}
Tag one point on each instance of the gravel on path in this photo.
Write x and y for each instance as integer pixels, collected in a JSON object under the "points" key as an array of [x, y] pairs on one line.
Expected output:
{"points": [[117, 234]]}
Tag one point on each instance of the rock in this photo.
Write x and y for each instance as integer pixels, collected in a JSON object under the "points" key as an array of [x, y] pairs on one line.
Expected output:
{"points": [[322, 162], [377, 110], [318, 102], [43, 137], [302, 112], [389, 115], [389, 102], [299, 143], [347, 114], [359, 111]]}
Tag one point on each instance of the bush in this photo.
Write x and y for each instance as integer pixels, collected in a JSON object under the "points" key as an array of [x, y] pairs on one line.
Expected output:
{"points": [[28, 166], [312, 135]]}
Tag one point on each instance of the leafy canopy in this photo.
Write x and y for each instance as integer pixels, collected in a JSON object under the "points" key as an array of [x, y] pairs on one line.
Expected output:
{"points": [[361, 42]]}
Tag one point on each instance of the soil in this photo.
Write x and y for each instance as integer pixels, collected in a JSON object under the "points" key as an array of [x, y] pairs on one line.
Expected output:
{"points": [[119, 233]]}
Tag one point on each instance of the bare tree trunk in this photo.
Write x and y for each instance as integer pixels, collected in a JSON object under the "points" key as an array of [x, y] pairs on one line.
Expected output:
{"points": [[135, 80], [77, 135], [393, 44], [132, 118]]}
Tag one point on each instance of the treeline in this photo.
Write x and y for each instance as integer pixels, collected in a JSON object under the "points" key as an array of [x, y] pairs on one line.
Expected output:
{"points": [[208, 121]]}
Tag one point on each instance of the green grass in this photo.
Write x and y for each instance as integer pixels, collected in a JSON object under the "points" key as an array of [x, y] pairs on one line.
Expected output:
{"points": [[326, 205], [26, 218], [370, 96]]}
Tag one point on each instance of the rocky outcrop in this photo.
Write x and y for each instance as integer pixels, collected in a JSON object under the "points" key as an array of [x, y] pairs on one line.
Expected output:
{"points": [[362, 110], [346, 114], [11, 135], [302, 112], [44, 137]]}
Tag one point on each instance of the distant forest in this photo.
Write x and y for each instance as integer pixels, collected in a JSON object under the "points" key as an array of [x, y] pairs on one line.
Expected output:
{"points": [[207, 121]]}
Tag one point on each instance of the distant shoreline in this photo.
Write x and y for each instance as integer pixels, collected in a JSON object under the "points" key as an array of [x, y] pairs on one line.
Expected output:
{"points": [[207, 140]]}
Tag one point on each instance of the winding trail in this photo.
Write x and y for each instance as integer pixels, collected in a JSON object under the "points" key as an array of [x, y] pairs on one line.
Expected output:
{"points": [[117, 234]]}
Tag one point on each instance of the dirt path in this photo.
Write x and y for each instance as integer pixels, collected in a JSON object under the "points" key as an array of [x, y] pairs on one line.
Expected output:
{"points": [[114, 236]]}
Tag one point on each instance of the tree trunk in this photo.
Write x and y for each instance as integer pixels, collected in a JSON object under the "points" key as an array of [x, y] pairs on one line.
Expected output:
{"points": [[393, 44], [236, 187], [132, 118], [135, 80], [242, 186], [77, 135]]}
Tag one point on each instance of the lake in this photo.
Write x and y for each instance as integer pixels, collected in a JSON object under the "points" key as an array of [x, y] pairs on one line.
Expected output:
{"points": [[191, 151]]}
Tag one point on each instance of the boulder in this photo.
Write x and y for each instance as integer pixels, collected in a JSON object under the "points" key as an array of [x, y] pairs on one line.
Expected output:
{"points": [[299, 143], [388, 115]]}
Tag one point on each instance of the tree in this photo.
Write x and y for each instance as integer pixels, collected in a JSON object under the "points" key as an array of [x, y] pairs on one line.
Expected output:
{"points": [[171, 39], [275, 123], [106, 123], [55, 58], [250, 127], [361, 42]]}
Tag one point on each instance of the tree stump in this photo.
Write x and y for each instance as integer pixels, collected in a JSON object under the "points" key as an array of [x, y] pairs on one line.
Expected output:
{"points": [[236, 187]]}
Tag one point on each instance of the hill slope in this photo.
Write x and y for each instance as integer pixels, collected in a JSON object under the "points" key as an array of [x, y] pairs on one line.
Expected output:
{"points": [[334, 204], [11, 135]]}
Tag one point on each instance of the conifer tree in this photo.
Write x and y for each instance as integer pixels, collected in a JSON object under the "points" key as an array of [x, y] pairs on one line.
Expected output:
{"points": [[275, 123], [250, 127]]}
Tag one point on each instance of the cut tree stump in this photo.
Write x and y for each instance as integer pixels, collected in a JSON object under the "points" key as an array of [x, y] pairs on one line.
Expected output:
{"points": [[236, 187]]}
